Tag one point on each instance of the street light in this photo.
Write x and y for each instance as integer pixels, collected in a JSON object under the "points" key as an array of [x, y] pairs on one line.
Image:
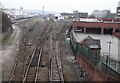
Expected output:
{"points": [[109, 46], [21, 8], [107, 58]]}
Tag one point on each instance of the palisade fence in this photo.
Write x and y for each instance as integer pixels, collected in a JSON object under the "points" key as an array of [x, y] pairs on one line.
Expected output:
{"points": [[93, 57], [110, 62], [88, 54], [73, 46], [96, 58]]}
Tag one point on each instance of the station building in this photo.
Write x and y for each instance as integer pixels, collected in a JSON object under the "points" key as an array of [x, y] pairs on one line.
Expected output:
{"points": [[94, 25]]}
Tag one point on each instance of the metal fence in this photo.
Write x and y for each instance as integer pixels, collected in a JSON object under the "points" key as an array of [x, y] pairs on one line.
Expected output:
{"points": [[73, 46], [96, 58], [87, 53], [110, 63]]}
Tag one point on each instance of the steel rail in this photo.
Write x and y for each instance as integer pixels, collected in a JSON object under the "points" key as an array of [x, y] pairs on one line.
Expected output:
{"points": [[42, 39], [39, 46], [38, 65], [29, 66], [55, 72], [59, 64]]}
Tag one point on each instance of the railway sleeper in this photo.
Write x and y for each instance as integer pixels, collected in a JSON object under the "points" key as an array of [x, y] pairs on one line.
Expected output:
{"points": [[32, 71], [55, 69], [55, 72], [20, 63], [55, 75], [34, 62], [21, 60], [54, 66], [18, 78], [30, 78], [55, 78], [54, 62], [19, 72], [21, 56], [19, 67]]}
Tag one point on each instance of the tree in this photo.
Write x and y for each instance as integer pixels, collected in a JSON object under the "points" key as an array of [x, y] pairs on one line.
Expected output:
{"points": [[6, 22]]}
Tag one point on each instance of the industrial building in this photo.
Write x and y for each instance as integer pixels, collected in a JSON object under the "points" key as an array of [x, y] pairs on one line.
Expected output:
{"points": [[103, 14], [13, 12], [75, 14], [100, 26]]}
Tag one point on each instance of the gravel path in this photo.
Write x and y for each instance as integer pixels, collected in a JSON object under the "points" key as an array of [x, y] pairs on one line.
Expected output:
{"points": [[9, 51]]}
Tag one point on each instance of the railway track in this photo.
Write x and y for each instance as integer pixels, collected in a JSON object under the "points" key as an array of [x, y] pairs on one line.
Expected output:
{"points": [[28, 70], [24, 73], [19, 66], [32, 71], [34, 63], [55, 68]]}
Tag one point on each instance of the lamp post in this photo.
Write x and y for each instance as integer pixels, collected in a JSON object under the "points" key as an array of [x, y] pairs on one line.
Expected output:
{"points": [[21, 9], [107, 57], [109, 46], [118, 18], [43, 11]]}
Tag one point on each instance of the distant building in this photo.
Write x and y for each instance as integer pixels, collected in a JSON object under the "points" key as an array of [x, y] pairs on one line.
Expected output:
{"points": [[80, 14], [103, 14], [67, 15], [58, 17], [12, 12], [75, 14], [118, 10]]}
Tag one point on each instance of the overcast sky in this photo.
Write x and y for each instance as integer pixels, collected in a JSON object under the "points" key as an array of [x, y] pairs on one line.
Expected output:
{"points": [[63, 5]]}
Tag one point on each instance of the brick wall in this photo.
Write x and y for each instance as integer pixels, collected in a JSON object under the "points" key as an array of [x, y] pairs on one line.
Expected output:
{"points": [[96, 24], [92, 71]]}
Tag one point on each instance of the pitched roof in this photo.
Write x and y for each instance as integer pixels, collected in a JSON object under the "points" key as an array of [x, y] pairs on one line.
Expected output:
{"points": [[91, 42]]}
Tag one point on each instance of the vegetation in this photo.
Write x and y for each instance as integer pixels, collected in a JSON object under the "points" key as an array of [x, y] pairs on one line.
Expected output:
{"points": [[6, 22]]}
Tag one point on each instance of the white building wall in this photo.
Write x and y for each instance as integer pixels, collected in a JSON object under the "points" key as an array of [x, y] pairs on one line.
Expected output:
{"points": [[100, 14], [12, 12], [119, 4]]}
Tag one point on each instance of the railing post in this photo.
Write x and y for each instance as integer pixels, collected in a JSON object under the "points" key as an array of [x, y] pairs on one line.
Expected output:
{"points": [[106, 64]]}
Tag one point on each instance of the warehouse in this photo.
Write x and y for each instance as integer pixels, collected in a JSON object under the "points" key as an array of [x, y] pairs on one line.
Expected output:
{"points": [[93, 25]]}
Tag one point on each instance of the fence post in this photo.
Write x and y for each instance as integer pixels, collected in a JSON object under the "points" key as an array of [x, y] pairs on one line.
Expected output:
{"points": [[106, 63], [119, 67]]}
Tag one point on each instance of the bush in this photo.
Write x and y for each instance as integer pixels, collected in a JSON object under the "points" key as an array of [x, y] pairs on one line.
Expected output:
{"points": [[6, 22]]}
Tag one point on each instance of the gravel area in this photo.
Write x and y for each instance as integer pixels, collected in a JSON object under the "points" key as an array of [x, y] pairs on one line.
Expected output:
{"points": [[71, 69], [11, 46], [9, 52]]}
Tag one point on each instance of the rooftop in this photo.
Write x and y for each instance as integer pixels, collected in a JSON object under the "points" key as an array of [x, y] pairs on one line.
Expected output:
{"points": [[95, 20], [103, 41], [91, 42]]}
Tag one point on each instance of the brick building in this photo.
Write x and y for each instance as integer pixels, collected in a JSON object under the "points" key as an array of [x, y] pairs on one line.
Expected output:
{"points": [[88, 25]]}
